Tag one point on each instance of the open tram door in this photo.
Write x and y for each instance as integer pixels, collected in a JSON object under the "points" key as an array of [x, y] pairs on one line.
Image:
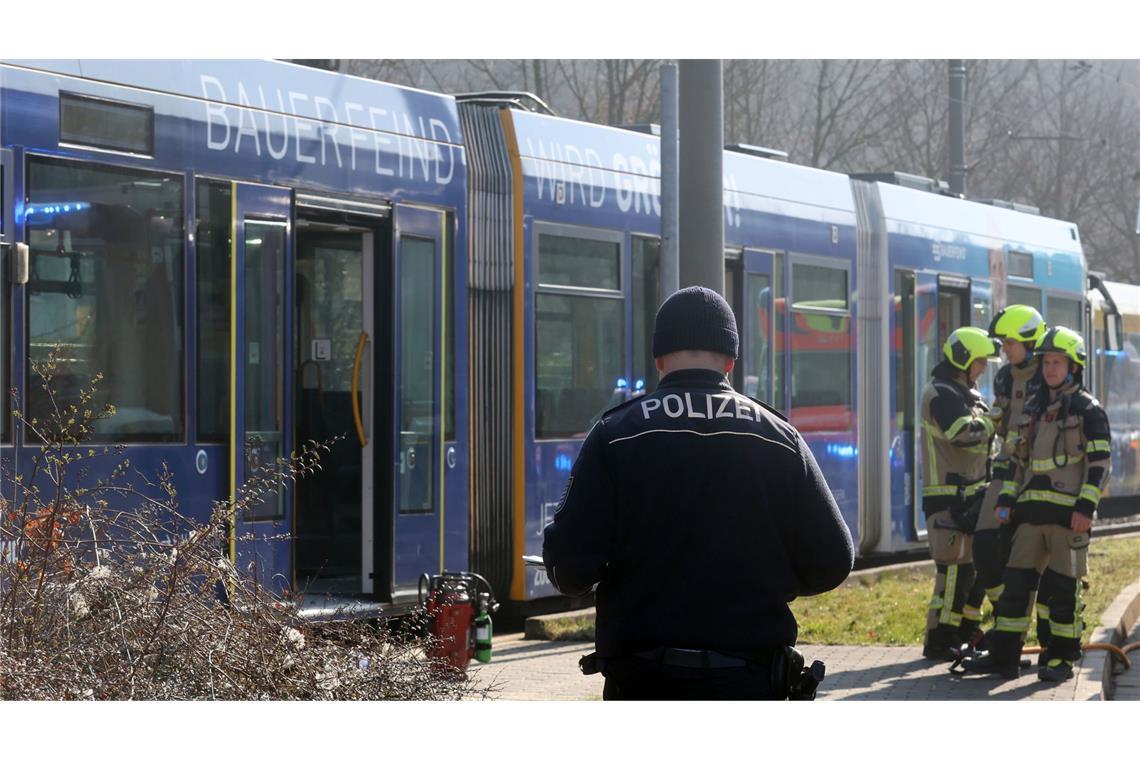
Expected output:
{"points": [[260, 412], [933, 306]]}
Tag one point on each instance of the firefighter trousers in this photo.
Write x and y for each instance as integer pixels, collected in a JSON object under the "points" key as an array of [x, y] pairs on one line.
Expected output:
{"points": [[952, 552], [1049, 559], [991, 552]]}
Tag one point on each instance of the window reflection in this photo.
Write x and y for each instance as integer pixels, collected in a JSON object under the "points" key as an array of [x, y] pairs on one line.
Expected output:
{"points": [[579, 360], [106, 289]]}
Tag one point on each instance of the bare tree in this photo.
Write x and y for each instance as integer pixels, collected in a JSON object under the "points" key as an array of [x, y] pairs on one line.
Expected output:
{"points": [[1061, 135]]}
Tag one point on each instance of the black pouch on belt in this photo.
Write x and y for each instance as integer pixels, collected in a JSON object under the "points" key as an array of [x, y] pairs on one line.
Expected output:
{"points": [[965, 511], [790, 679]]}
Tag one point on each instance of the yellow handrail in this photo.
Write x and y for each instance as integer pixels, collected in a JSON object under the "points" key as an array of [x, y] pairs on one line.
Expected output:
{"points": [[356, 418]]}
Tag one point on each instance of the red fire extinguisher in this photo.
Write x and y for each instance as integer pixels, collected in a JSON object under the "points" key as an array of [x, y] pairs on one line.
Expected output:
{"points": [[451, 616]]}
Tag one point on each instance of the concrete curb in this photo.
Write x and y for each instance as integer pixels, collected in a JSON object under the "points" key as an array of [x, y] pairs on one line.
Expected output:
{"points": [[535, 626], [1096, 666]]}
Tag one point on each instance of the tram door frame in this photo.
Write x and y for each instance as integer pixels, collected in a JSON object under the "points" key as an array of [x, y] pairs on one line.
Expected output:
{"points": [[269, 207]]}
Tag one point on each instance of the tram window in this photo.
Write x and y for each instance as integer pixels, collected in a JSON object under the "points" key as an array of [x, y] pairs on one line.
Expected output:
{"points": [[1065, 312], [1019, 294], [579, 358], [579, 262], [982, 316], [106, 293], [902, 349], [821, 367], [449, 348], [106, 124], [819, 287], [646, 299], [1020, 264], [213, 310], [820, 349], [417, 374]]}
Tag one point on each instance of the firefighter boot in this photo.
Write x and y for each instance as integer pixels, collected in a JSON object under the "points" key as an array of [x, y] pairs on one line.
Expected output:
{"points": [[970, 636], [1056, 670], [1002, 659], [941, 643]]}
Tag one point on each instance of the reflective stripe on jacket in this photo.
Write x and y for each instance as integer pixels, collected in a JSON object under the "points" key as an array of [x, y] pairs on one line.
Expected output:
{"points": [[957, 432], [1063, 457]]}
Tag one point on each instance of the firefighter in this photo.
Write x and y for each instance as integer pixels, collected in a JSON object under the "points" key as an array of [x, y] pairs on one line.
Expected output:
{"points": [[1018, 328], [700, 513], [958, 432], [1062, 457]]}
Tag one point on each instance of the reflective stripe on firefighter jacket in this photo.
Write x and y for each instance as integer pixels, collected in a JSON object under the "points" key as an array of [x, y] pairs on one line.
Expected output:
{"points": [[957, 431], [1013, 386], [1063, 457]]}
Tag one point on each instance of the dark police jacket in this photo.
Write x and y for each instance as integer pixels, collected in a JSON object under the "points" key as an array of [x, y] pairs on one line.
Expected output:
{"points": [[700, 513]]}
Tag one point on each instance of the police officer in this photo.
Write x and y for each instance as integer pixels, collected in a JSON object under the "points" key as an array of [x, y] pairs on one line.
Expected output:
{"points": [[957, 431], [1018, 327], [700, 513], [1062, 456]]}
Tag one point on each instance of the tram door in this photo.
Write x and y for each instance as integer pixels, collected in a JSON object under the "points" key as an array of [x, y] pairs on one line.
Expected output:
{"points": [[942, 305], [259, 427], [420, 397], [336, 371]]}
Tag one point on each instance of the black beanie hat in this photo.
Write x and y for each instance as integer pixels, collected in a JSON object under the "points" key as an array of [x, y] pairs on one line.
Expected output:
{"points": [[695, 319]]}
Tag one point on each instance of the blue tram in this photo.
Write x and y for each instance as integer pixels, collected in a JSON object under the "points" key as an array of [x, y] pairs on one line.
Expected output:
{"points": [[255, 255], [845, 287]]}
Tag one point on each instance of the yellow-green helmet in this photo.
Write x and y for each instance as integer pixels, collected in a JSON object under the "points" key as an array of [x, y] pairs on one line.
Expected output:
{"points": [[1062, 340], [967, 344], [1018, 322]]}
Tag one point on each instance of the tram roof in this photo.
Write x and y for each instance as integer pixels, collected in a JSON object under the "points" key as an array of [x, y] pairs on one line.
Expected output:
{"points": [[545, 138], [922, 212]]}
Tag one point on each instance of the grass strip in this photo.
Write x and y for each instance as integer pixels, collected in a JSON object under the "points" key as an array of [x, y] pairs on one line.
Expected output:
{"points": [[890, 607]]}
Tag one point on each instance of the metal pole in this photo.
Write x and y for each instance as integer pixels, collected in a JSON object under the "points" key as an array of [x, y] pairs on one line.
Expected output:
{"points": [[670, 274], [957, 128], [701, 174]]}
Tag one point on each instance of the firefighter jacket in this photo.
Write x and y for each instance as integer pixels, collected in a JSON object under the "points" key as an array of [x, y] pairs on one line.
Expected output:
{"points": [[1063, 456], [700, 513], [1014, 385], [957, 431]]}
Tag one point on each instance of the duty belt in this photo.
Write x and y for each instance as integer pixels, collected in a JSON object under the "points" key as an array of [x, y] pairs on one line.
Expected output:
{"points": [[691, 658]]}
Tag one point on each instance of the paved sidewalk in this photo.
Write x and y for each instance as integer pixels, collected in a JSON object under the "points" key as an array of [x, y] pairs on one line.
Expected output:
{"points": [[524, 669], [528, 669]]}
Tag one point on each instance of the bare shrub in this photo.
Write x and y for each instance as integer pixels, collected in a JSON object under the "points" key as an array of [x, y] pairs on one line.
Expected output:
{"points": [[107, 591]]}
